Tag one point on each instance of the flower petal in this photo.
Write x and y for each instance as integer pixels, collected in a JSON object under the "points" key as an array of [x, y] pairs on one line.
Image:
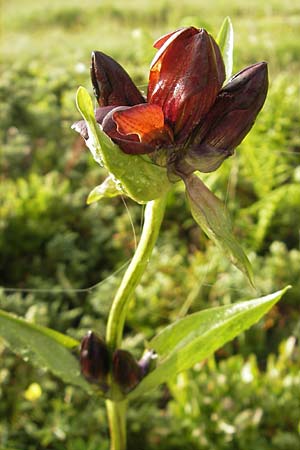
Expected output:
{"points": [[160, 41], [128, 127], [231, 117], [185, 77], [146, 121], [112, 84]]}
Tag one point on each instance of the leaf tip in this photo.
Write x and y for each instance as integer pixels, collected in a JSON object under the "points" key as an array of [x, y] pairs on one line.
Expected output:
{"points": [[89, 199], [287, 288], [79, 93]]}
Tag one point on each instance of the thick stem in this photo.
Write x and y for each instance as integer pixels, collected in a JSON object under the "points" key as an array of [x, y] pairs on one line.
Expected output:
{"points": [[154, 213]]}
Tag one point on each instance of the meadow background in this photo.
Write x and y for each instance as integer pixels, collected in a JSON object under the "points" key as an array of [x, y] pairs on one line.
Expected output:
{"points": [[53, 247]]}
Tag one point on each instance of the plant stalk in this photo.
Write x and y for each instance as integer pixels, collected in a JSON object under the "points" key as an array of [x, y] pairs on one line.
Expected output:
{"points": [[116, 413], [153, 216]]}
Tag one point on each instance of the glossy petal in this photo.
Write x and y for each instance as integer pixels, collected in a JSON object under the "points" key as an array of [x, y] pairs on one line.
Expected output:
{"points": [[231, 117], [162, 44], [185, 77], [146, 121], [130, 143], [112, 84]]}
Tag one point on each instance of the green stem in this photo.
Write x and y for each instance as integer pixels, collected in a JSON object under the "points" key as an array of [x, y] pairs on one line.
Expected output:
{"points": [[153, 216], [116, 413], [154, 213]]}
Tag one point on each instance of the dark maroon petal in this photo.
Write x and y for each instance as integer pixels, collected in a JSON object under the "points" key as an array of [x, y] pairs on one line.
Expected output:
{"points": [[112, 84], [230, 119], [100, 114], [126, 371], [94, 359], [207, 159], [185, 77]]}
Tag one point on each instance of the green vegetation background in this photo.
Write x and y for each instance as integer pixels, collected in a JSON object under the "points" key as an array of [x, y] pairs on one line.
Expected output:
{"points": [[51, 243]]}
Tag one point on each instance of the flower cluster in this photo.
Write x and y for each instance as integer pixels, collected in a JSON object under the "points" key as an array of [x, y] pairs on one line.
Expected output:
{"points": [[98, 366], [188, 117], [190, 121]]}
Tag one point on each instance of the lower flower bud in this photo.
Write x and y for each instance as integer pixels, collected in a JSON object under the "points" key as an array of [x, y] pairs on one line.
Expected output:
{"points": [[95, 360], [126, 371]]}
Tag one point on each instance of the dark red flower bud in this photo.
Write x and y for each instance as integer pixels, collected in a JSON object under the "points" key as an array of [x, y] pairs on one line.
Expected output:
{"points": [[185, 78], [94, 360], [126, 371], [112, 84], [230, 118]]}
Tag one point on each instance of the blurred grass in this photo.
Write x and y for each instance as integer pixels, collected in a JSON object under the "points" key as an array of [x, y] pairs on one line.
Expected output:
{"points": [[65, 32]]}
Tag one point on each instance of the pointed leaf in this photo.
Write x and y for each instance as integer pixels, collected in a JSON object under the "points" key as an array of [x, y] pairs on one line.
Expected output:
{"points": [[108, 188], [140, 179], [43, 347], [194, 338], [211, 215], [225, 42]]}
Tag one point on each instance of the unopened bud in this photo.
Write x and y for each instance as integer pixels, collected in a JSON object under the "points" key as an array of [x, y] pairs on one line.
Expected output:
{"points": [[185, 78], [112, 84], [230, 118], [94, 360], [126, 371]]}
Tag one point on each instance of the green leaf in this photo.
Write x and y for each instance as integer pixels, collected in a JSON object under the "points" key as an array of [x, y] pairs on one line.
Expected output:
{"points": [[211, 215], [225, 42], [109, 188], [140, 179], [190, 340], [43, 347]]}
